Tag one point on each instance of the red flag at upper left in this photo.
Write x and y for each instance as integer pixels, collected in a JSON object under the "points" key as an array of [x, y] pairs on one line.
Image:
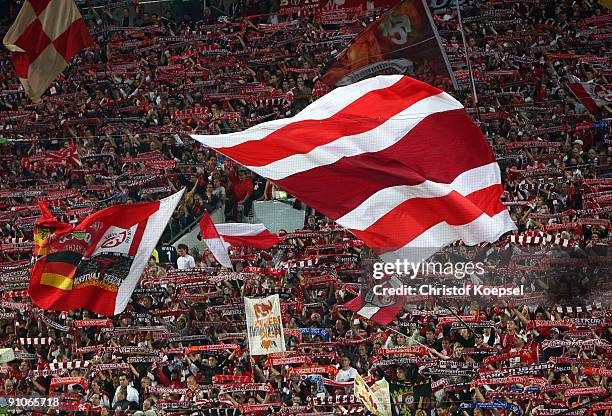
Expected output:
{"points": [[43, 39]]}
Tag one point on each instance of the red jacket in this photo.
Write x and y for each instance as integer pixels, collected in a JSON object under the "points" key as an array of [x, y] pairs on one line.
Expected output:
{"points": [[242, 188]]}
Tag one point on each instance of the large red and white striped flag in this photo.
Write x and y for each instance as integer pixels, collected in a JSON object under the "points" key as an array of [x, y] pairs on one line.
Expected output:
{"points": [[43, 39], [396, 161]]}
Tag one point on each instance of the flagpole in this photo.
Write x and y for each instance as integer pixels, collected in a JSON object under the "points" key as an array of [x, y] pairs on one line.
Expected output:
{"points": [[467, 60], [456, 316]]}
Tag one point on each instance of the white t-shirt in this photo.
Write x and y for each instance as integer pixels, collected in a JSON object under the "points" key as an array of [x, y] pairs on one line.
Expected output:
{"points": [[185, 262], [346, 375], [132, 394]]}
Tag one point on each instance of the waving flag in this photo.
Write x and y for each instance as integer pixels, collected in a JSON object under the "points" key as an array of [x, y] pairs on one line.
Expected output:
{"points": [[219, 237], [380, 307], [96, 265], [43, 39], [380, 390], [402, 41], [213, 241], [52, 159], [365, 396], [592, 95], [396, 161], [247, 235]]}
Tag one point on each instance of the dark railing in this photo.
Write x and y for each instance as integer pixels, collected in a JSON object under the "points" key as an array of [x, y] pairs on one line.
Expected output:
{"points": [[175, 237]]}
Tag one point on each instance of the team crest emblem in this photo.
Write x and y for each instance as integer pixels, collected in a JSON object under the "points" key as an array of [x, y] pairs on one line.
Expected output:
{"points": [[115, 239], [381, 300]]}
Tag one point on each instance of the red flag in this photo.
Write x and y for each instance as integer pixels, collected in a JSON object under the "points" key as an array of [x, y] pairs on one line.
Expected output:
{"points": [[247, 235], [67, 156], [396, 161], [402, 41], [96, 265], [215, 243], [377, 305], [592, 95], [43, 39]]}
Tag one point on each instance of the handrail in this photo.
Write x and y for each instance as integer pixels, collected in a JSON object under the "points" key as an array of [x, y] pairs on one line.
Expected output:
{"points": [[186, 229]]}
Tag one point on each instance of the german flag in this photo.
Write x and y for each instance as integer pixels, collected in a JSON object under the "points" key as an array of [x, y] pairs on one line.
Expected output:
{"points": [[97, 263], [59, 269], [45, 227]]}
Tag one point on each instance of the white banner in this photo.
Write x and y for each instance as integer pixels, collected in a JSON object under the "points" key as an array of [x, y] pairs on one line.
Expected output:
{"points": [[264, 325], [382, 398], [374, 398], [6, 355], [364, 394]]}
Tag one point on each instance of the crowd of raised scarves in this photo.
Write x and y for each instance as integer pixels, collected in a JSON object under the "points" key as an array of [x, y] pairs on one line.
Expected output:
{"points": [[119, 118]]}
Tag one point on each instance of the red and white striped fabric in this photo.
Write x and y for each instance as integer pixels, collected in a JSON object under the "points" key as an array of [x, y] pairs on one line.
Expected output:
{"points": [[335, 400], [247, 235], [67, 156], [210, 402], [353, 410], [60, 368], [69, 365], [213, 241], [539, 238], [396, 161], [195, 113], [292, 264], [43, 39], [592, 95], [16, 240], [36, 341]]}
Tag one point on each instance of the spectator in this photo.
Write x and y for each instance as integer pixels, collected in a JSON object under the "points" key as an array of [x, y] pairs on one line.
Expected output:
{"points": [[125, 392], [124, 109], [346, 372], [242, 188], [184, 261], [121, 402]]}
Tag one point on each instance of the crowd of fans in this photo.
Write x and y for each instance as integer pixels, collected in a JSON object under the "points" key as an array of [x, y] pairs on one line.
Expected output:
{"points": [[114, 129]]}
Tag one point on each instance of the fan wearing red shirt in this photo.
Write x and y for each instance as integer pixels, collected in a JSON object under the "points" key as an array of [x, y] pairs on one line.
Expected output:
{"points": [[507, 340], [242, 187]]}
